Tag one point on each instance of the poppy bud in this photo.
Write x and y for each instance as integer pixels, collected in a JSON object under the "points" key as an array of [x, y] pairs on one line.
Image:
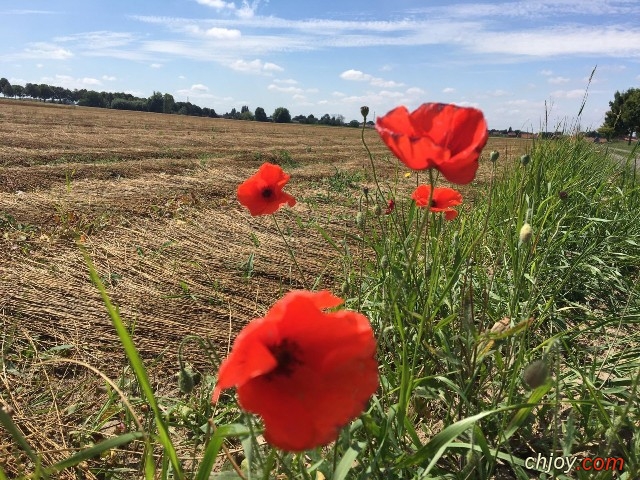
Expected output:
{"points": [[563, 195], [360, 219], [377, 210], [525, 159], [187, 379], [536, 373], [384, 261], [494, 156], [525, 233], [364, 110], [344, 288]]}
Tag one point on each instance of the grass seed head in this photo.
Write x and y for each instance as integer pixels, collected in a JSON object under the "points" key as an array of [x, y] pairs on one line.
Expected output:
{"points": [[525, 233]]}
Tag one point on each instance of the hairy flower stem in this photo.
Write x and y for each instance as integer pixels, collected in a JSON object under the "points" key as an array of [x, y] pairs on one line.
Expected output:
{"points": [[373, 166], [293, 256]]}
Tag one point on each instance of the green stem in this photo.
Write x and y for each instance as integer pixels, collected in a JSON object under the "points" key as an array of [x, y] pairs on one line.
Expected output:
{"points": [[293, 257]]}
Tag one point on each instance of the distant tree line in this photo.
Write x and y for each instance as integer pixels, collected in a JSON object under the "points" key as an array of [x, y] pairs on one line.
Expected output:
{"points": [[623, 117], [158, 103]]}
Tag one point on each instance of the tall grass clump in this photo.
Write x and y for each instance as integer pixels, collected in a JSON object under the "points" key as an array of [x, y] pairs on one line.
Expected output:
{"points": [[505, 329]]}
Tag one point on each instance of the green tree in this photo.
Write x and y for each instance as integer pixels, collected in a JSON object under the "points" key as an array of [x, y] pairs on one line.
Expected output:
{"points": [[7, 91], [32, 90], [92, 99], [623, 117], [3, 83], [45, 92], [281, 115], [260, 115], [167, 103], [246, 115], [18, 91], [155, 102]]}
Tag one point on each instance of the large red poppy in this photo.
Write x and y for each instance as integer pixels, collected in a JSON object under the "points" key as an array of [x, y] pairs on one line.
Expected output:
{"points": [[262, 193], [436, 135], [442, 200], [307, 373]]}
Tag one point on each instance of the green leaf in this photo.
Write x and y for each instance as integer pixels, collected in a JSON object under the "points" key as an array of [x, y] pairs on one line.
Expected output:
{"points": [[137, 366], [96, 450], [8, 424], [214, 446], [344, 466]]}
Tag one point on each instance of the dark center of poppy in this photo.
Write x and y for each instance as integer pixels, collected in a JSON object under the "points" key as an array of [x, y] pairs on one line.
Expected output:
{"points": [[287, 354], [267, 192], [433, 203]]}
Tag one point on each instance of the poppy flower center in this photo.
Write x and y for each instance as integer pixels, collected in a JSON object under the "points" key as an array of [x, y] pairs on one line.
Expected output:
{"points": [[267, 193], [433, 203], [287, 355]]}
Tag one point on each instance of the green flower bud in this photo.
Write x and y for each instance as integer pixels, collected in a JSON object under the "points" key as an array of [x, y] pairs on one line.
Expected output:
{"points": [[187, 379], [494, 156], [360, 219], [536, 373], [377, 210], [525, 159]]}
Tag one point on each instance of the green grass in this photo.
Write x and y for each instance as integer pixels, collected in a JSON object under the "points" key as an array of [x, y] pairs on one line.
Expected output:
{"points": [[456, 398]]}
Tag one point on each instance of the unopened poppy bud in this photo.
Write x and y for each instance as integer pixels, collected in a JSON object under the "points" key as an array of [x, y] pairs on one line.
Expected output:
{"points": [[493, 156], [536, 373], [377, 210], [525, 233], [186, 380], [384, 261], [360, 219], [364, 110], [344, 288], [525, 159]]}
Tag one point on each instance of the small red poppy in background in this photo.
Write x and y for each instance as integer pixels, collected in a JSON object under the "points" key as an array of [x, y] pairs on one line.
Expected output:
{"points": [[436, 135], [443, 200], [262, 193], [307, 373], [390, 206]]}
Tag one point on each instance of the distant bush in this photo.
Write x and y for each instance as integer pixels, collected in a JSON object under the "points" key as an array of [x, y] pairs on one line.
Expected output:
{"points": [[123, 104]]}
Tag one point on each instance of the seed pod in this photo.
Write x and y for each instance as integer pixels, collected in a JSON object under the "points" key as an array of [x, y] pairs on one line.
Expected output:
{"points": [[364, 111], [525, 233], [536, 373]]}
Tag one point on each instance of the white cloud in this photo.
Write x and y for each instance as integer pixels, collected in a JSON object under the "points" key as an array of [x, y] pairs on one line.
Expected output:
{"points": [[291, 89], [577, 93], [109, 78], [287, 81], [70, 82], [358, 76], [255, 66], [198, 87], [156, 65], [272, 67], [448, 90], [182, 77], [217, 4], [415, 91], [222, 33], [546, 73], [558, 80], [48, 51]]}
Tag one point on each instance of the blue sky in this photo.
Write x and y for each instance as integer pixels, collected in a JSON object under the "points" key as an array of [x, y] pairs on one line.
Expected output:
{"points": [[506, 58]]}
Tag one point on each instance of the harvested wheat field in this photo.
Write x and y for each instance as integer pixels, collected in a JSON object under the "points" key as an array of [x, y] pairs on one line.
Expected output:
{"points": [[151, 198]]}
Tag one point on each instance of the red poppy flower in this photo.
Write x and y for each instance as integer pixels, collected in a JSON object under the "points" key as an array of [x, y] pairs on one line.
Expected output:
{"points": [[305, 372], [436, 135], [262, 193], [390, 206], [443, 200]]}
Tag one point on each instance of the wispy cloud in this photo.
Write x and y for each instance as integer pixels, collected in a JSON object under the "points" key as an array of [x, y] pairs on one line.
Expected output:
{"points": [[43, 50], [70, 82], [558, 80]]}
